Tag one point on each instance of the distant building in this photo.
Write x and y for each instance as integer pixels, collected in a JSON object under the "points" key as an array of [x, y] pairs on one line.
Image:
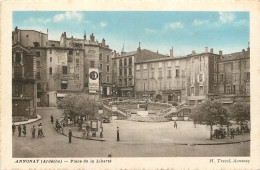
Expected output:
{"points": [[24, 90], [125, 69]]}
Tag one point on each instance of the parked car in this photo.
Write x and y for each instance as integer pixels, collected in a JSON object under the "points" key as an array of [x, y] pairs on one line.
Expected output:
{"points": [[105, 120]]}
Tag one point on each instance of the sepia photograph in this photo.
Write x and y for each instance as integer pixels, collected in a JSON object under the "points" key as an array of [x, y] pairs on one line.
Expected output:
{"points": [[130, 84]]}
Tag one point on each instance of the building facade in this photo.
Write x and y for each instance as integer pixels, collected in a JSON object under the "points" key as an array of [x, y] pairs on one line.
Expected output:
{"points": [[124, 69], [24, 90], [193, 78]]}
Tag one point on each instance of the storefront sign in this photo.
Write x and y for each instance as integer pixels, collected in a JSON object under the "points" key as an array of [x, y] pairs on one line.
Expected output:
{"points": [[93, 80]]}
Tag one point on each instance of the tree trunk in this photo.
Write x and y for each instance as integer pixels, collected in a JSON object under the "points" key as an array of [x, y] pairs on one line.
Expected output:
{"points": [[211, 130], [228, 130], [74, 120]]}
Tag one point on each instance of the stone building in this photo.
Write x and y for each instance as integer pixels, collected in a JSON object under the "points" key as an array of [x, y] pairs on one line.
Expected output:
{"points": [[24, 90], [193, 78], [65, 68], [125, 69]]}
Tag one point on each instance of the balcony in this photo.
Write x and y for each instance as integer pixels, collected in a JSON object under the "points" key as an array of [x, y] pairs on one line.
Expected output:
{"points": [[22, 77]]}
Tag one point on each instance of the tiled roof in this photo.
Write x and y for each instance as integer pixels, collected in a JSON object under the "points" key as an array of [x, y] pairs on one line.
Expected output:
{"points": [[234, 56]]}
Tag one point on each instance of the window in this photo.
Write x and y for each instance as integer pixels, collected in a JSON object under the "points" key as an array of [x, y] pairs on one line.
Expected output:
{"points": [[192, 90], [192, 79], [120, 82], [177, 73], [100, 77], [50, 70], [39, 86], [125, 81], [77, 62], [38, 63], [100, 56], [183, 73], [107, 79], [92, 64], [120, 62], [130, 71], [160, 75], [169, 64], [201, 89], [138, 67], [18, 58], [130, 81], [64, 69], [215, 67], [177, 63], [144, 74], [169, 73], [152, 66], [38, 53], [70, 52], [38, 75], [50, 51], [200, 77], [70, 58], [144, 66], [183, 85], [77, 76], [228, 89], [107, 68], [221, 77], [247, 88], [248, 76], [125, 72], [130, 61], [50, 59], [215, 78], [64, 84], [100, 66], [138, 75], [77, 53], [120, 72], [125, 61], [107, 58], [215, 89], [160, 64], [152, 75]]}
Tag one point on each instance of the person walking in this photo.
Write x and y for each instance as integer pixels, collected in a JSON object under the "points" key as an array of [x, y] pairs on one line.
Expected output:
{"points": [[13, 128], [33, 131], [232, 133], [175, 124], [51, 119], [19, 131], [118, 139], [84, 133], [41, 131], [24, 130], [70, 135]]}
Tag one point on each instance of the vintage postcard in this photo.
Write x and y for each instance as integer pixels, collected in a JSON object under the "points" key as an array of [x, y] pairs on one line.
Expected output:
{"points": [[130, 85]]}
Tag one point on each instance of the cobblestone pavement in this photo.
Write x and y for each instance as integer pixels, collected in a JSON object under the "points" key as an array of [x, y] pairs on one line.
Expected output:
{"points": [[138, 139]]}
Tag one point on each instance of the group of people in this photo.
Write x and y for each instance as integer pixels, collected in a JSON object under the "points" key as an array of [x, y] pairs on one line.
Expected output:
{"points": [[23, 130], [219, 133]]}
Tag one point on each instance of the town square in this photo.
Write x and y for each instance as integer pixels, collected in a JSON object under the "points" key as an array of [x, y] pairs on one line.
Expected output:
{"points": [[177, 85]]}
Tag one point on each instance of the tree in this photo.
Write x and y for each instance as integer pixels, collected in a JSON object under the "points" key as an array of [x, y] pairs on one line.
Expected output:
{"points": [[210, 113], [240, 112], [78, 105]]}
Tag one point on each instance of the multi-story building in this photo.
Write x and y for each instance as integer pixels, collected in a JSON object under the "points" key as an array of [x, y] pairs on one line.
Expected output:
{"points": [[24, 90], [65, 68], [194, 77], [124, 69]]}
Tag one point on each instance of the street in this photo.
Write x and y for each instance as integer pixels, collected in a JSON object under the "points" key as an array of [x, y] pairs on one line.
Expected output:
{"points": [[137, 139]]}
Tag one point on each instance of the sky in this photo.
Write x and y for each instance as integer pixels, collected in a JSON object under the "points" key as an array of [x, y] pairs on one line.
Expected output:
{"points": [[155, 30]]}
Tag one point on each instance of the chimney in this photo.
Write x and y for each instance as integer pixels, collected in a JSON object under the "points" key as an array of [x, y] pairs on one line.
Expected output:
{"points": [[103, 42], [211, 50], [193, 52], [220, 53], [92, 38], [139, 48], [171, 52], [85, 37], [65, 34], [244, 53], [206, 49]]}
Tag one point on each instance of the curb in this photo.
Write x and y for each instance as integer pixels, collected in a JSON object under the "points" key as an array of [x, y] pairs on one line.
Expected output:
{"points": [[79, 137], [227, 143], [28, 122]]}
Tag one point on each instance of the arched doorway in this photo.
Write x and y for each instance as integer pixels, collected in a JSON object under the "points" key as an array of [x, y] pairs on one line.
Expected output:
{"points": [[158, 97]]}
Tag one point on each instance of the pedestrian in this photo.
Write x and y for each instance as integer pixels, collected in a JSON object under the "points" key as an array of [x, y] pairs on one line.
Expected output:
{"points": [[41, 131], [232, 133], [118, 139], [33, 131], [51, 119], [24, 130], [13, 128], [70, 135], [175, 124], [62, 126], [19, 130]]}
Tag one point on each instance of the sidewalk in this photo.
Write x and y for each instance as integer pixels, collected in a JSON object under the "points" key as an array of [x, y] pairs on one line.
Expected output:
{"points": [[28, 121]]}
